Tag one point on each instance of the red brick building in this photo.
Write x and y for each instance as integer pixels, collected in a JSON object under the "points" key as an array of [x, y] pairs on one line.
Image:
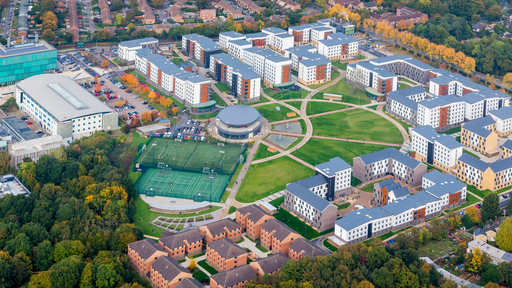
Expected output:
{"points": [[270, 265], [142, 254], [225, 228], [183, 244], [166, 272], [277, 237], [251, 218], [225, 255], [234, 278], [304, 248], [208, 14]]}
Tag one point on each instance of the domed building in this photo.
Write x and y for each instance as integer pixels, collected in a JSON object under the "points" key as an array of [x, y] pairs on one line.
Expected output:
{"points": [[238, 122]]}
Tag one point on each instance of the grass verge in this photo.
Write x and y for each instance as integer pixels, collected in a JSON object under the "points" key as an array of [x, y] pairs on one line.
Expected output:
{"points": [[207, 267]]}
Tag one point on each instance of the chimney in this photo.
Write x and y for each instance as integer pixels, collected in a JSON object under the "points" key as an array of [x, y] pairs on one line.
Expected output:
{"points": [[9, 41], [37, 37], [22, 39]]}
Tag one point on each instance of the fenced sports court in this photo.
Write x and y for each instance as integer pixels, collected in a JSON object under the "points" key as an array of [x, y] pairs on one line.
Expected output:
{"points": [[195, 186], [191, 156]]}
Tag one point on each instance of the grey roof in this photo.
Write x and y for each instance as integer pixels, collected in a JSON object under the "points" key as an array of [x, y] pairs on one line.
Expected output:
{"points": [[28, 48], [385, 59], [431, 135], [20, 127], [189, 283], [240, 42], [164, 64], [209, 45], [419, 64], [194, 37], [226, 248], [137, 42], [234, 276], [440, 101], [315, 62], [310, 250], [300, 48], [217, 228], [359, 217], [273, 262], [390, 153], [248, 74], [377, 69], [507, 144], [322, 28], [239, 115], [443, 188], [263, 52], [307, 26], [330, 42], [391, 186], [332, 166], [277, 59], [501, 165], [281, 230], [58, 104], [403, 100], [477, 126], [286, 35], [145, 248], [231, 61], [345, 39], [400, 191], [474, 97], [198, 79], [502, 113], [231, 34], [254, 211], [168, 267], [307, 196], [400, 206], [474, 162], [423, 198], [386, 183], [273, 30], [313, 181], [256, 35], [478, 231], [178, 240]]}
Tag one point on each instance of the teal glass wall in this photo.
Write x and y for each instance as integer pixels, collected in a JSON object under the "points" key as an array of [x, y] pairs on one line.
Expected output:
{"points": [[16, 68]]}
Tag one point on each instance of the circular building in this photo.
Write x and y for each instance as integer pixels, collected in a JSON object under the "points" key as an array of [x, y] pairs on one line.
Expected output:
{"points": [[238, 122]]}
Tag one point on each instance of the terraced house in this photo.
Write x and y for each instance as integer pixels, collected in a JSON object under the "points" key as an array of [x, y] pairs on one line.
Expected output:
{"points": [[225, 255], [234, 278], [269, 265], [277, 237], [166, 272], [479, 135], [225, 228], [251, 218], [304, 248], [485, 176], [142, 254], [177, 246]]}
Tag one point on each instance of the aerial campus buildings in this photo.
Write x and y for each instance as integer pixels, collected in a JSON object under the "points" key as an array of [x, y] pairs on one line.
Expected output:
{"points": [[238, 122], [21, 61], [62, 107], [127, 49]]}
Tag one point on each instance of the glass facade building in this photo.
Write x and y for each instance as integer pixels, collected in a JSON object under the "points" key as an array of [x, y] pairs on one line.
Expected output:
{"points": [[19, 62]]}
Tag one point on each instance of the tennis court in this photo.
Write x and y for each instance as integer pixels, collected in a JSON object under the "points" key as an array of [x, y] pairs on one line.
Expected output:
{"points": [[192, 156], [195, 186]]}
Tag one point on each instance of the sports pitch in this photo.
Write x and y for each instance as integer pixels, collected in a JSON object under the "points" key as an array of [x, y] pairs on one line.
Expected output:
{"points": [[195, 186], [191, 156]]}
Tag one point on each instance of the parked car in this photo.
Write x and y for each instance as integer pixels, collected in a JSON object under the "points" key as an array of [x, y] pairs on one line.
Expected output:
{"points": [[128, 91]]}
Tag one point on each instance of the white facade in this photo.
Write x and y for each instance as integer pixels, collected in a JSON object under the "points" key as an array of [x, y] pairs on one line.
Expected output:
{"points": [[274, 69], [308, 71], [442, 153], [280, 42], [321, 33], [225, 37], [126, 50], [235, 48], [255, 84]]}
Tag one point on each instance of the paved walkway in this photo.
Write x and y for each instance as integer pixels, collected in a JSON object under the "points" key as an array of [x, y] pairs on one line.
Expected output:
{"points": [[289, 155], [449, 276]]}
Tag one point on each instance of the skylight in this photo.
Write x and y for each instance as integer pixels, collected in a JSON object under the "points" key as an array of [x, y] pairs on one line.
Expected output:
{"points": [[57, 88]]}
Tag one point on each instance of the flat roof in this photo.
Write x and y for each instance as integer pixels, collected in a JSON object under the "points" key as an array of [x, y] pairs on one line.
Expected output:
{"points": [[21, 128], [62, 97], [13, 187], [137, 42], [28, 48]]}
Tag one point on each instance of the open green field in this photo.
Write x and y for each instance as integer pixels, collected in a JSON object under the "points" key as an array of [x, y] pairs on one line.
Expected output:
{"points": [[482, 193], [470, 200], [295, 104], [267, 178], [298, 225], [262, 152], [340, 65], [356, 124], [405, 125], [271, 114], [223, 87], [318, 151], [435, 249], [301, 94], [143, 217], [334, 75], [351, 94], [314, 107]]}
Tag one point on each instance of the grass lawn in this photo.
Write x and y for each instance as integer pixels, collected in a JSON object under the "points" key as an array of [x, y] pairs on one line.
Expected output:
{"points": [[296, 224], [217, 99], [452, 131], [351, 94], [223, 87], [340, 65], [116, 61], [301, 94], [408, 81], [201, 276], [435, 249], [330, 246], [334, 75], [207, 267], [369, 187], [262, 249], [267, 178], [232, 209], [277, 202], [469, 153], [404, 86], [271, 114], [356, 124], [314, 107], [405, 125], [303, 126], [343, 206], [233, 178], [177, 61], [262, 152], [360, 57], [321, 150], [470, 200], [295, 104], [143, 217], [482, 193]]}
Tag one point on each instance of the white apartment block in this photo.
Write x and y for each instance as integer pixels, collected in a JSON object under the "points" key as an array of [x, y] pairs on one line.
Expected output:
{"points": [[303, 34], [225, 37], [298, 53], [314, 71], [248, 85], [338, 46], [441, 113], [503, 118], [34, 148], [278, 39], [126, 49], [190, 88], [373, 76], [321, 33], [235, 47], [440, 150], [277, 71]]}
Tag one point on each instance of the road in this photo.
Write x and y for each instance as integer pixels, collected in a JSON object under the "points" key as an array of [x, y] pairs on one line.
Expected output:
{"points": [[6, 23]]}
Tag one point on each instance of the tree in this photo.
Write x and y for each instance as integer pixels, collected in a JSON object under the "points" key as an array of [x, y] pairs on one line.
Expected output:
{"points": [[146, 118], [368, 24], [490, 206], [157, 3], [492, 285], [43, 256], [475, 264], [284, 25], [118, 20], [494, 12], [192, 265], [49, 21], [103, 35], [175, 111], [202, 4], [107, 277], [135, 123], [466, 221], [365, 284], [48, 35], [304, 2], [161, 114], [154, 115], [67, 248], [377, 256], [504, 235], [47, 5], [474, 214], [507, 80], [97, 88], [104, 64], [41, 280], [22, 268]]}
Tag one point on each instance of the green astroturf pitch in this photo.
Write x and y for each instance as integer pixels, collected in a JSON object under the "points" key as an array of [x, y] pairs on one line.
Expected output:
{"points": [[195, 186]]}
